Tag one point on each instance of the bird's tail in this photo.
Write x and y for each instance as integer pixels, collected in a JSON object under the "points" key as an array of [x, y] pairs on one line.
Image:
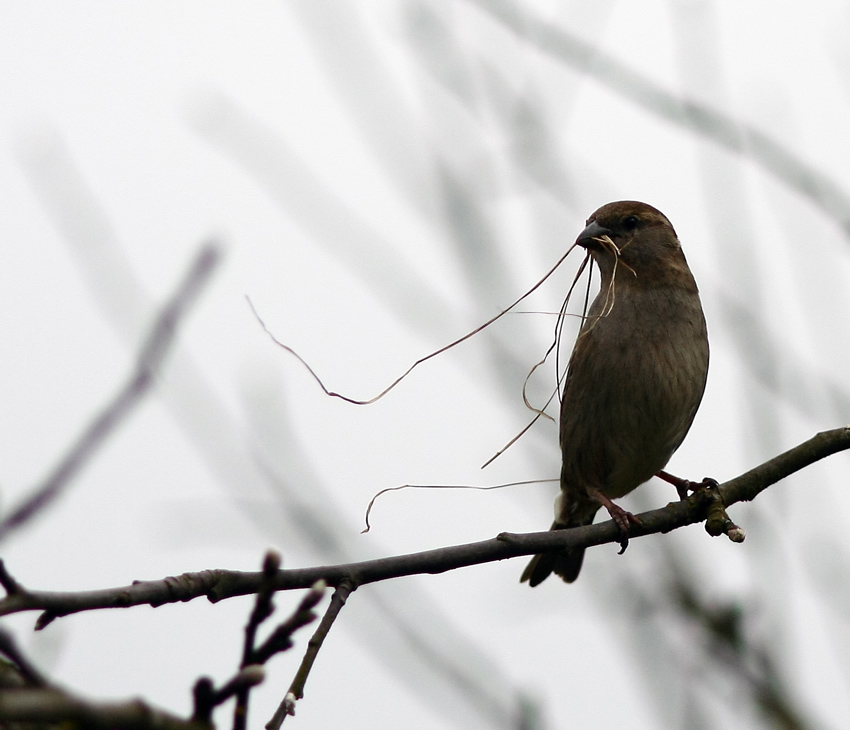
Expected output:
{"points": [[566, 563]]}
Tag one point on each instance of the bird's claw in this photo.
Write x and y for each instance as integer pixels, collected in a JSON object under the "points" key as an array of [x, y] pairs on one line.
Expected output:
{"points": [[621, 518], [683, 486]]}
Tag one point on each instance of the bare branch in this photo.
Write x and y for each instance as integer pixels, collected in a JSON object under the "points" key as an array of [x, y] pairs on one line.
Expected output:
{"points": [[263, 608], [247, 677], [251, 671], [9, 648], [296, 689], [727, 640], [30, 699], [281, 638], [220, 584], [148, 362], [207, 697], [49, 705]]}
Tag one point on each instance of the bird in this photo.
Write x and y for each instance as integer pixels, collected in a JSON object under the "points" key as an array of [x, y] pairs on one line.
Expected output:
{"points": [[635, 377]]}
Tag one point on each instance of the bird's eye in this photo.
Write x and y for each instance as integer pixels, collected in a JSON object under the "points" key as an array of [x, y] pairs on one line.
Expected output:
{"points": [[630, 222]]}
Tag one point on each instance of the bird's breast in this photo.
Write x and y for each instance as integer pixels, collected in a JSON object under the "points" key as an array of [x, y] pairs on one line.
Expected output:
{"points": [[635, 380]]}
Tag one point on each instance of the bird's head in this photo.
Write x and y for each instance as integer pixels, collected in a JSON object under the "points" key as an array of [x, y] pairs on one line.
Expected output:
{"points": [[636, 242]]}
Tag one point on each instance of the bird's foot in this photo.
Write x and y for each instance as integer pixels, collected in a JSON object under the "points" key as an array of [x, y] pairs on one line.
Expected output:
{"points": [[683, 486], [621, 517], [717, 521]]}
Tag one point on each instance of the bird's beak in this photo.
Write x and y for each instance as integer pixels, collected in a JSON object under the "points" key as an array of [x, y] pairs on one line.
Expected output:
{"points": [[593, 230]]}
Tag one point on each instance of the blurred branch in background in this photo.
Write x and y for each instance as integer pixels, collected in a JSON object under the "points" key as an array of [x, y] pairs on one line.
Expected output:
{"points": [[589, 60], [714, 646], [730, 642], [148, 363]]}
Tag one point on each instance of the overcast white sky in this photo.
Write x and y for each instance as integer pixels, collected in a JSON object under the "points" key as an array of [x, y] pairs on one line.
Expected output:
{"points": [[383, 177]]}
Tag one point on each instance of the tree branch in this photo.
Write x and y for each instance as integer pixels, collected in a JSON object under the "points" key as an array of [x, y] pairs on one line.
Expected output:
{"points": [[49, 705], [280, 639], [28, 699], [217, 585], [296, 689]]}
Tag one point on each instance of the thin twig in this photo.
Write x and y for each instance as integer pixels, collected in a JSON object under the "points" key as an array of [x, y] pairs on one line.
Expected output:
{"points": [[263, 608], [217, 585], [281, 638], [149, 360], [296, 689], [251, 670]]}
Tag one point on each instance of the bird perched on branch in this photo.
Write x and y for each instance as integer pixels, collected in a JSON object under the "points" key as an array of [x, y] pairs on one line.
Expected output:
{"points": [[635, 377]]}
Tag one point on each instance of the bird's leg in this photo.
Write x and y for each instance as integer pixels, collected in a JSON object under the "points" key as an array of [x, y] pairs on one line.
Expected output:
{"points": [[621, 517], [683, 486]]}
